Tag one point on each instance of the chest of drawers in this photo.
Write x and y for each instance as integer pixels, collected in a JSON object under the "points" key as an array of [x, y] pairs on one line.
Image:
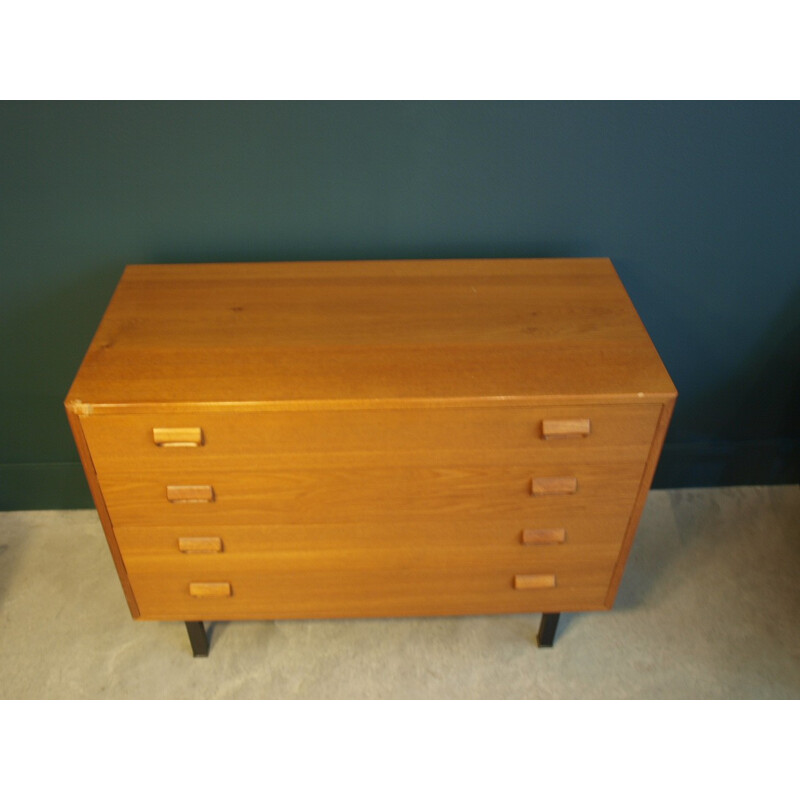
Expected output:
{"points": [[356, 439]]}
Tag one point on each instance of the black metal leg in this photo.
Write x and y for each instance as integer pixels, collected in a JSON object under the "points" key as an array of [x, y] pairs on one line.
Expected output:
{"points": [[547, 630], [198, 638]]}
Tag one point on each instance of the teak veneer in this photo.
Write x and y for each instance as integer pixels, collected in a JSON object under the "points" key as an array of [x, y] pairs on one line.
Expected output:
{"points": [[370, 438]]}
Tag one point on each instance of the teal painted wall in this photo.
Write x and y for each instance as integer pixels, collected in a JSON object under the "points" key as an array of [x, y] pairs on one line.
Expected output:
{"points": [[697, 204]]}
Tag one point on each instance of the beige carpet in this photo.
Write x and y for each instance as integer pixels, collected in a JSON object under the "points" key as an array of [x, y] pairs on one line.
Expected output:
{"points": [[709, 608]]}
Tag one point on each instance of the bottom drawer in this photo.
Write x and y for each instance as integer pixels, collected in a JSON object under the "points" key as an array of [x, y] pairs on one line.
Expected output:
{"points": [[393, 584]]}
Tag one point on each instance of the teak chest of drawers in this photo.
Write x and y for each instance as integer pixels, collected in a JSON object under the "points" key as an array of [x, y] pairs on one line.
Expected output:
{"points": [[362, 439]]}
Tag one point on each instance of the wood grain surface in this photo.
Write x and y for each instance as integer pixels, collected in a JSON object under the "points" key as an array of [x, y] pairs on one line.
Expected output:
{"points": [[352, 583], [355, 333], [353, 494], [602, 530], [256, 438]]}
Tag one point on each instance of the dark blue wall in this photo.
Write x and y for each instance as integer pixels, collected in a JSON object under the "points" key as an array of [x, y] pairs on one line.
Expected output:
{"points": [[696, 204]]}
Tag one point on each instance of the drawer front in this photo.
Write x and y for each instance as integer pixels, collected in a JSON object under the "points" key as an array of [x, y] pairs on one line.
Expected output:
{"points": [[537, 531], [369, 583], [371, 513], [256, 439], [378, 494]]}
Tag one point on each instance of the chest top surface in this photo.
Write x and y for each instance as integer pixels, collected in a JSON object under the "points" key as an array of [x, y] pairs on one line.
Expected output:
{"points": [[369, 333]]}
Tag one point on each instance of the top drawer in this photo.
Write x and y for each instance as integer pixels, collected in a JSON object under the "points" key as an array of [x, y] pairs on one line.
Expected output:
{"points": [[253, 438]]}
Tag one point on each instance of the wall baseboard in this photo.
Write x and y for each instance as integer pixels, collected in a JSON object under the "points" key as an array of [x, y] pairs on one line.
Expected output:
{"points": [[28, 487], [748, 463]]}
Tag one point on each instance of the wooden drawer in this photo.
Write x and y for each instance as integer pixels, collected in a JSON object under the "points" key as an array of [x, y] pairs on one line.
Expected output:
{"points": [[603, 529], [255, 439], [367, 583], [377, 494]]}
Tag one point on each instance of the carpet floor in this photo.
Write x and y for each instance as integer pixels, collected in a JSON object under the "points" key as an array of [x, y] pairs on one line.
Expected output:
{"points": [[709, 607]]}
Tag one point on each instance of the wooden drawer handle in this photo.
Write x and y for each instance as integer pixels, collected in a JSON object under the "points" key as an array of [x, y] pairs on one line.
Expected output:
{"points": [[200, 544], [534, 581], [190, 494], [544, 536], [210, 589], [178, 437], [566, 428], [544, 486]]}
